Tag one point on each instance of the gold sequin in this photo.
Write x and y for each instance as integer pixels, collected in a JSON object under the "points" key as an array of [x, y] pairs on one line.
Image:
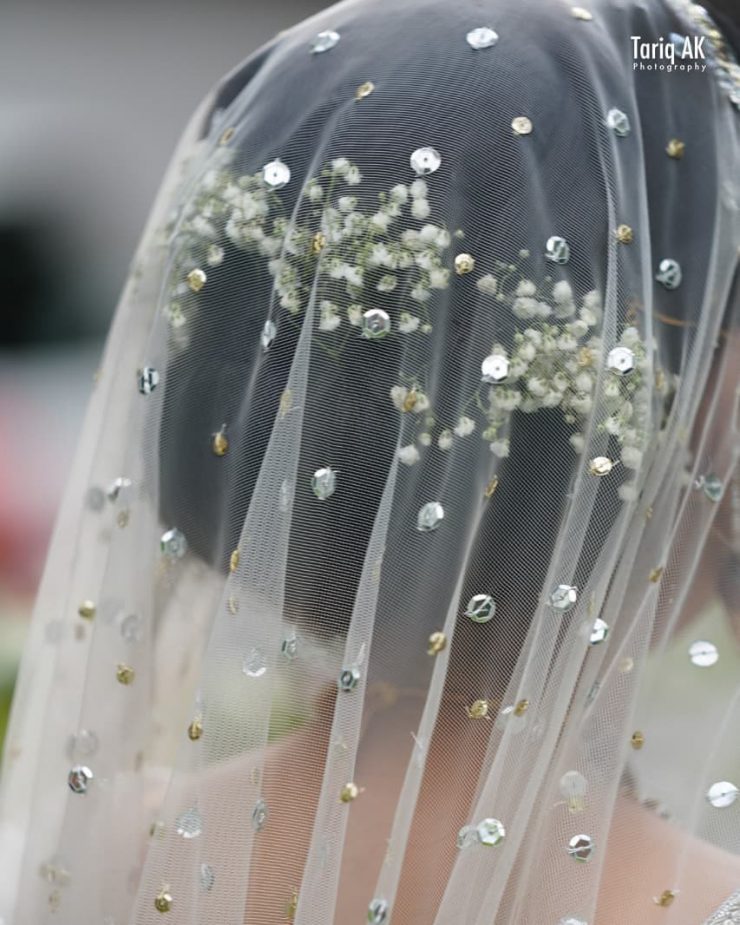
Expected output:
{"points": [[349, 792], [234, 560], [521, 708], [600, 465], [637, 739], [163, 901], [220, 443], [585, 357], [232, 605], [490, 488], [286, 402], [125, 674], [478, 709], [578, 12], [437, 642], [675, 148], [656, 574], [624, 234], [292, 906], [318, 243], [464, 263], [196, 279], [522, 125], [409, 402], [665, 898], [364, 90], [227, 135], [87, 610], [195, 729]]}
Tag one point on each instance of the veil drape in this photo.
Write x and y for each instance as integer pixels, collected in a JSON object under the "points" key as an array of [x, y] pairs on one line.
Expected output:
{"points": [[396, 578]]}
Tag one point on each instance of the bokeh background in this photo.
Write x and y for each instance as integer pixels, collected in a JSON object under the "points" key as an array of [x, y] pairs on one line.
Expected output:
{"points": [[93, 97]]}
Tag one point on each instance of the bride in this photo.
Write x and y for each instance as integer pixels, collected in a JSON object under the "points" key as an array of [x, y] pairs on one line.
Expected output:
{"points": [[396, 579]]}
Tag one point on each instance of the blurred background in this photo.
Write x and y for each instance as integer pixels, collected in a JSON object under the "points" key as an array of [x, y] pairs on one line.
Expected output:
{"points": [[93, 98]]}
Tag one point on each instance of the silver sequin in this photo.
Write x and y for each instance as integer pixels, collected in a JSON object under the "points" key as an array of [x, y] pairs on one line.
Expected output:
{"points": [[491, 832], [621, 360], [712, 487], [572, 920], [254, 663], [148, 380], [375, 323], [480, 609], [573, 785], [564, 597], [173, 543], [581, 847], [722, 794], [703, 654], [189, 824], [557, 250], [618, 122], [289, 646], [207, 878], [348, 679], [269, 333], [324, 482], [79, 778], [259, 815], [119, 488], [482, 37], [430, 516], [669, 273], [324, 41], [425, 161], [495, 368], [467, 837], [276, 174], [377, 911], [599, 632]]}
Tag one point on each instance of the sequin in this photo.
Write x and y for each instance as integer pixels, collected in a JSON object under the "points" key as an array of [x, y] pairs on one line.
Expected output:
{"points": [[581, 847], [669, 273], [125, 674], [349, 792], [118, 489], [348, 679], [215, 255], [621, 360], [482, 37], [207, 878], [376, 323], [318, 243], [564, 597], [464, 263], [268, 335], [364, 90], [599, 632], [430, 516], [703, 654], [324, 41], [195, 729], [573, 785], [276, 174], [557, 250], [491, 832], [220, 443], [675, 148], [285, 496], [467, 837], [637, 739], [79, 778], [254, 663], [619, 122], [87, 610], [377, 911], [163, 901], [148, 380], [425, 161], [522, 125], [722, 794], [578, 12], [712, 487], [437, 642], [656, 574], [624, 234], [490, 489], [600, 465], [259, 815], [289, 647], [324, 483], [665, 899], [196, 279], [227, 135], [189, 824], [234, 560], [495, 368], [478, 709], [480, 608], [132, 628], [572, 920], [173, 544]]}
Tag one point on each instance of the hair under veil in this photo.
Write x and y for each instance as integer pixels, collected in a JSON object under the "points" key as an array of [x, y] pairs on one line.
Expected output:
{"points": [[406, 510]]}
